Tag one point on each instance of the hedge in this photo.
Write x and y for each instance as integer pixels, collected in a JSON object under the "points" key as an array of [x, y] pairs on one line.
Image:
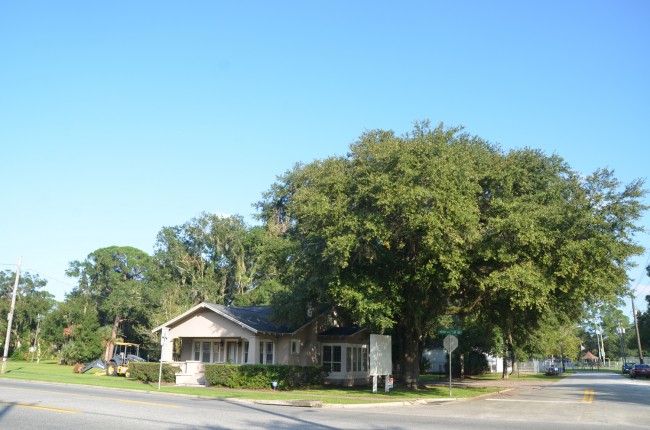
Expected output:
{"points": [[148, 372], [260, 376]]}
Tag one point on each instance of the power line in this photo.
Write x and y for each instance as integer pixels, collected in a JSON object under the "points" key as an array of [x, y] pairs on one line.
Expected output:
{"points": [[646, 288], [42, 275]]}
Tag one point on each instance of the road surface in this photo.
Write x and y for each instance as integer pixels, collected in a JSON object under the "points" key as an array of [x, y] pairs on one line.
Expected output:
{"points": [[582, 401]]}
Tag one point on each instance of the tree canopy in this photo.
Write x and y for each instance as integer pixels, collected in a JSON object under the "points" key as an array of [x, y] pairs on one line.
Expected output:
{"points": [[407, 228]]}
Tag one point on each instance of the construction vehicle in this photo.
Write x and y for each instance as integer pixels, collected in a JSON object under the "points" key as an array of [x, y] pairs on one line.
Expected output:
{"points": [[123, 354]]}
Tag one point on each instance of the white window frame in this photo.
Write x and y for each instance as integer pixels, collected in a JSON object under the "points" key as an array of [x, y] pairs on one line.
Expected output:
{"points": [[199, 350], [330, 364], [264, 352], [245, 345], [356, 358]]}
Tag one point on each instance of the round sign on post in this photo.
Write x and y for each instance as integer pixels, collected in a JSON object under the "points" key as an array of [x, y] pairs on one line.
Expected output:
{"points": [[450, 343]]}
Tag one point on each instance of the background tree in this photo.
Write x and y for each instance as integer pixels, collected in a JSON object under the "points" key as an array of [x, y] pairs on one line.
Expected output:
{"points": [[73, 329], [32, 304], [218, 260], [205, 258], [114, 280]]}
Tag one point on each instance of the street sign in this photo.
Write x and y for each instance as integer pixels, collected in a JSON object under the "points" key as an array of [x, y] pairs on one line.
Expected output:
{"points": [[164, 336], [450, 343], [449, 331], [164, 339]]}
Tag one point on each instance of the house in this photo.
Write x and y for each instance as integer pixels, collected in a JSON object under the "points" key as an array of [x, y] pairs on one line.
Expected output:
{"points": [[210, 333]]}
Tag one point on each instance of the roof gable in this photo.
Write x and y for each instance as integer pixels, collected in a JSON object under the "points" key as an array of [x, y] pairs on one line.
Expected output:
{"points": [[254, 318]]}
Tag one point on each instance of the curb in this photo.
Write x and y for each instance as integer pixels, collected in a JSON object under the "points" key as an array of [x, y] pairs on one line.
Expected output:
{"points": [[320, 404], [389, 404]]}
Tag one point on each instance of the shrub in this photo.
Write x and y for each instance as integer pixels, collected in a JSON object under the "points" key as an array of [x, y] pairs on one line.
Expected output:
{"points": [[20, 353], [259, 376], [148, 372], [79, 351], [476, 363]]}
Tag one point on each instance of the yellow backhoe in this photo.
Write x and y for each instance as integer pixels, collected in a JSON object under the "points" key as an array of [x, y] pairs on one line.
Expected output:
{"points": [[123, 354]]}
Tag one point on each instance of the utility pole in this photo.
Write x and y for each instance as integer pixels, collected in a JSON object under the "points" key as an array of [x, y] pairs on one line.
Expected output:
{"points": [[10, 318], [621, 332], [35, 347], [636, 326]]}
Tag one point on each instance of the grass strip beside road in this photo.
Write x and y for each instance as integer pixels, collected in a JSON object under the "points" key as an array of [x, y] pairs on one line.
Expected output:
{"points": [[52, 372]]}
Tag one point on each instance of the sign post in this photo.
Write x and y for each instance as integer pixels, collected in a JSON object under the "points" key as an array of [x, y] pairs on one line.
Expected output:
{"points": [[450, 343], [164, 338]]}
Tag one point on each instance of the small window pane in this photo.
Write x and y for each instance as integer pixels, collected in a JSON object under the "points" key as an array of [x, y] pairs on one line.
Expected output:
{"points": [[327, 353], [337, 354], [207, 349], [197, 351], [269, 353]]}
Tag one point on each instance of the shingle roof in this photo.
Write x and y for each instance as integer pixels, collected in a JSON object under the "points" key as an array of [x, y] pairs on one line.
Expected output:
{"points": [[256, 317]]}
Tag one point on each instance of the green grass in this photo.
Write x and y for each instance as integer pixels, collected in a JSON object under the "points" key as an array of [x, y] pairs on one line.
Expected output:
{"points": [[52, 372]]}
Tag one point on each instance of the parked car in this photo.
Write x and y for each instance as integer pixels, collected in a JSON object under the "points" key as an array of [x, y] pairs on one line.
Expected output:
{"points": [[627, 367], [640, 370], [553, 370]]}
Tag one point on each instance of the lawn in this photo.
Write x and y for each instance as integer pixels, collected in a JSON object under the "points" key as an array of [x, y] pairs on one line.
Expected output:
{"points": [[53, 372]]}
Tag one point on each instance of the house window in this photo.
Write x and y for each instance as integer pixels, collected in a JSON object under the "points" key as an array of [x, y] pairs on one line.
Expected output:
{"points": [[295, 346], [332, 358], [231, 352], [216, 352], [245, 348], [266, 352], [203, 351], [357, 358], [197, 351], [206, 352]]}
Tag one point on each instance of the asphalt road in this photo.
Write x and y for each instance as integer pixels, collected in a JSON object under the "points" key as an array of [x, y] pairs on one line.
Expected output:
{"points": [[582, 401]]}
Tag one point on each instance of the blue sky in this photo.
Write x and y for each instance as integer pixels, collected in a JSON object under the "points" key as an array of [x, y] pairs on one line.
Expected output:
{"points": [[119, 118]]}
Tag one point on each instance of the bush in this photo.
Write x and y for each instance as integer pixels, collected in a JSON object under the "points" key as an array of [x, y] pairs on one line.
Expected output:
{"points": [[79, 351], [476, 363], [148, 372], [21, 353], [259, 376]]}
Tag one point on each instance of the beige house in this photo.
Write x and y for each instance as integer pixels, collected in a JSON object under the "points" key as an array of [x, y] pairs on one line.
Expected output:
{"points": [[210, 333]]}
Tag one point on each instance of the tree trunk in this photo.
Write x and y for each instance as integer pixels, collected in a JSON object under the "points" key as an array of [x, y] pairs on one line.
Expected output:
{"points": [[504, 372], [410, 360], [108, 354]]}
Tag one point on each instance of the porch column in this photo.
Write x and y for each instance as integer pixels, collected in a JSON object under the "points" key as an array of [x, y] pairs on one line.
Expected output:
{"points": [[253, 350]]}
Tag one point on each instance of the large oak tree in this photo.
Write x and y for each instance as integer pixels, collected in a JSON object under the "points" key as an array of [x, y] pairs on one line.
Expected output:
{"points": [[404, 229]]}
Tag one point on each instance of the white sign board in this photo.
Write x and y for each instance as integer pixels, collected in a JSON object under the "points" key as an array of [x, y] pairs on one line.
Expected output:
{"points": [[381, 355]]}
